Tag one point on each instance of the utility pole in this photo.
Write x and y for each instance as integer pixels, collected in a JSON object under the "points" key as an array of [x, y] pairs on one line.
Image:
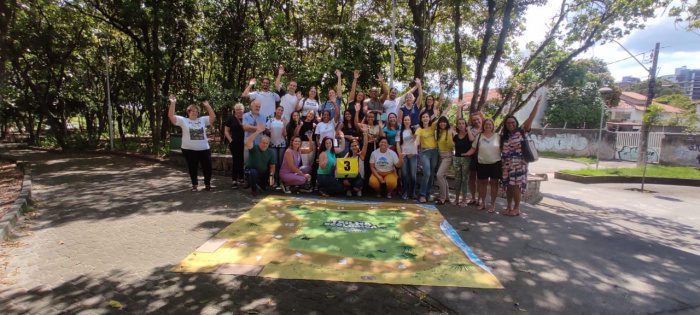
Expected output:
{"points": [[644, 132], [109, 101], [393, 43]]}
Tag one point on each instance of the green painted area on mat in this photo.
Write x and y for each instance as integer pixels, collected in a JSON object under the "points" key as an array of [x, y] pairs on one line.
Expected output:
{"points": [[371, 234]]}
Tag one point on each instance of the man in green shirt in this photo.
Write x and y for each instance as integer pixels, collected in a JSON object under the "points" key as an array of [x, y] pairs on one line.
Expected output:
{"points": [[260, 166]]}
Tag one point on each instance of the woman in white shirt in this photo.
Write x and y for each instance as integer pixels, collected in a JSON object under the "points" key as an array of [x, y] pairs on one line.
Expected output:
{"points": [[383, 163], [407, 143], [195, 145], [278, 134], [309, 103], [488, 166]]}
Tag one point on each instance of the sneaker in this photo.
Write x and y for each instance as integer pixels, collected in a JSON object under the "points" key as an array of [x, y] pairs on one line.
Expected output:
{"points": [[404, 197], [388, 196], [359, 193], [234, 184], [285, 189], [348, 193]]}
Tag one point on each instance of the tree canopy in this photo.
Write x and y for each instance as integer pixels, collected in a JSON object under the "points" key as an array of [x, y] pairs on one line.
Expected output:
{"points": [[56, 53]]}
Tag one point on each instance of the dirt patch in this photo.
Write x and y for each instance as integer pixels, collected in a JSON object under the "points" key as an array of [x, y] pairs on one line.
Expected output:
{"points": [[10, 186]]}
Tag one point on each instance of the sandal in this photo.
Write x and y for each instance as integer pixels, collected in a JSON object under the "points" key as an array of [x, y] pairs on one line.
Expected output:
{"points": [[194, 188], [472, 202], [510, 213], [421, 199], [207, 188]]}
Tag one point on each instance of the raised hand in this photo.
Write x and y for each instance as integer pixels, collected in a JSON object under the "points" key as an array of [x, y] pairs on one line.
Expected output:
{"points": [[172, 99], [443, 86], [356, 74], [380, 77], [260, 128], [357, 106], [252, 82], [205, 103], [418, 81], [338, 73], [280, 70]]}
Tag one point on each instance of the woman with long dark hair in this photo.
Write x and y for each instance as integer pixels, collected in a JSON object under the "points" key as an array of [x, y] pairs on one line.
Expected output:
{"points": [[444, 137], [407, 142], [425, 139], [514, 178], [292, 173], [354, 185], [234, 133], [327, 183], [349, 129], [195, 145]]}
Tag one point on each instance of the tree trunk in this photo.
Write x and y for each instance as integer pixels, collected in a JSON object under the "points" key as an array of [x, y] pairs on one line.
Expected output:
{"points": [[457, 17], [483, 54], [417, 12], [505, 29]]}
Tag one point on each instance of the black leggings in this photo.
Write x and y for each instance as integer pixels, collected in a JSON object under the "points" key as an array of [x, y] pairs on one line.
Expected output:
{"points": [[194, 157], [237, 156]]}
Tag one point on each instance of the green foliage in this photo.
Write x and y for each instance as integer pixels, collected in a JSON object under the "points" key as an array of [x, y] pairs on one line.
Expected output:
{"points": [[653, 114], [688, 118], [573, 108], [688, 12], [663, 88]]}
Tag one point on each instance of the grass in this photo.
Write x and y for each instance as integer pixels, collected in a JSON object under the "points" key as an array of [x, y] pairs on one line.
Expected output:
{"points": [[581, 159], [652, 171]]}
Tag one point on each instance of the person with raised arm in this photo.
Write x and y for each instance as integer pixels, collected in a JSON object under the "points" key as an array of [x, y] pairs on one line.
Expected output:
{"points": [[410, 107], [309, 103], [267, 98], [195, 145], [514, 178], [432, 106], [356, 99], [289, 99], [355, 185], [260, 166], [392, 104], [375, 104], [327, 183], [278, 139]]}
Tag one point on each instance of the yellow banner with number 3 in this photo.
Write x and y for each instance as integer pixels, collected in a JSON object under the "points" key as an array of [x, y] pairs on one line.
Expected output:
{"points": [[347, 168]]}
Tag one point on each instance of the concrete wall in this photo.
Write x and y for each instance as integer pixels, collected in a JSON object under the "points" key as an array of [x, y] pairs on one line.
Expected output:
{"points": [[577, 142], [680, 149]]}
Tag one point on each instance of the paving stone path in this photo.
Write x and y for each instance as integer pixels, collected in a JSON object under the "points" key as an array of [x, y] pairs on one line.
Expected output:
{"points": [[107, 230]]}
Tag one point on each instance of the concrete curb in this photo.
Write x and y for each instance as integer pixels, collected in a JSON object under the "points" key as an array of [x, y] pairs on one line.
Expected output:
{"points": [[21, 205], [627, 180]]}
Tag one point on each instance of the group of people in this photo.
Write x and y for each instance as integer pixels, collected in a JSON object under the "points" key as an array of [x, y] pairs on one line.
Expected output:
{"points": [[374, 142]]}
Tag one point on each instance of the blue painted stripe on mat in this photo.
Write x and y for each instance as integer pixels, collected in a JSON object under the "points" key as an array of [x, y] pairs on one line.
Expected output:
{"points": [[454, 237]]}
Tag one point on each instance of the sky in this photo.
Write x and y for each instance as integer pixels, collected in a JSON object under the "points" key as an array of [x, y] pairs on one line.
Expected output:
{"points": [[678, 46]]}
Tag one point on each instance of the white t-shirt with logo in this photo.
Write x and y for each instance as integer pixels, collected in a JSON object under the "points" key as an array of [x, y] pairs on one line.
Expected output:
{"points": [[409, 142], [267, 101], [194, 133], [326, 130], [384, 162], [392, 106], [289, 103], [308, 105], [276, 128]]}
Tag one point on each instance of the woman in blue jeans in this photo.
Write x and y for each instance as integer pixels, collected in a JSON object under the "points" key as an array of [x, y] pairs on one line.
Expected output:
{"points": [[407, 142], [425, 138]]}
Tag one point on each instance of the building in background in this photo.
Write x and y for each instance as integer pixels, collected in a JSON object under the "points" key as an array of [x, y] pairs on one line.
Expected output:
{"points": [[629, 112], [628, 81], [689, 81]]}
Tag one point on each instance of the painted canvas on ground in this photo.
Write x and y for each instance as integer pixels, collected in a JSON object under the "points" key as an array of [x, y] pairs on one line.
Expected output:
{"points": [[317, 239]]}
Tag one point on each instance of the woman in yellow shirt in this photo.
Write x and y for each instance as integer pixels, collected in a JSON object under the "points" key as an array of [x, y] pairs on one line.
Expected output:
{"points": [[446, 145], [425, 139]]}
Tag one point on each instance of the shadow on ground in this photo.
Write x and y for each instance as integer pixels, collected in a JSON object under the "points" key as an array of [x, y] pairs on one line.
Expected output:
{"points": [[566, 255]]}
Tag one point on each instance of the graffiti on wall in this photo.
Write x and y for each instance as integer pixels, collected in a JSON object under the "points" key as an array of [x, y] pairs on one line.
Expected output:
{"points": [[560, 142], [689, 155], [629, 153]]}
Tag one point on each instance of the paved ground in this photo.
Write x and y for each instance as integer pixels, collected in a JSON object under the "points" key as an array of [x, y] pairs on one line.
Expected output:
{"points": [[109, 228]]}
